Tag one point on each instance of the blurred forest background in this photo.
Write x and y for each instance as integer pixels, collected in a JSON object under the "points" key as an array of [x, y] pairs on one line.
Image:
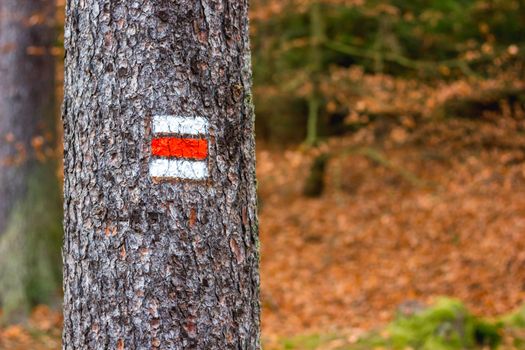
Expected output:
{"points": [[391, 166]]}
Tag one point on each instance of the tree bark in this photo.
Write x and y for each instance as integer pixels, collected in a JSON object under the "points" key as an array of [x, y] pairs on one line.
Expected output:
{"points": [[30, 216], [149, 263]]}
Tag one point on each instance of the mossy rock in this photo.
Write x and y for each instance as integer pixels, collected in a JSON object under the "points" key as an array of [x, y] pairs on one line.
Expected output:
{"points": [[445, 326]]}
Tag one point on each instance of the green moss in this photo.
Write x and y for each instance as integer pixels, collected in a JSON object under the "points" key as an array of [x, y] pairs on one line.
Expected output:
{"points": [[514, 325], [30, 246], [14, 268], [447, 325], [307, 342], [516, 319]]}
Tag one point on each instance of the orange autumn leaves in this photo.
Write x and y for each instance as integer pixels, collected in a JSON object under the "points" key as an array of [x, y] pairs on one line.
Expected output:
{"points": [[374, 240], [42, 332]]}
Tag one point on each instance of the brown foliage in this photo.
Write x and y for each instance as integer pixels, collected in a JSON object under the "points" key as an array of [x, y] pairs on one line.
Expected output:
{"points": [[374, 240]]}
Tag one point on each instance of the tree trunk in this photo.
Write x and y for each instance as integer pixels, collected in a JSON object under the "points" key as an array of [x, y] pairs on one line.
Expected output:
{"points": [[317, 37], [159, 258], [30, 214]]}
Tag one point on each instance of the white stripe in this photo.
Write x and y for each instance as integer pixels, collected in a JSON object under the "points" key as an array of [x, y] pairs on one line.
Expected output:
{"points": [[172, 124], [178, 168]]}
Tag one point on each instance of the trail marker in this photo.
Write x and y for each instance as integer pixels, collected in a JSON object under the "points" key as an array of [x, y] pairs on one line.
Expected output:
{"points": [[179, 148]]}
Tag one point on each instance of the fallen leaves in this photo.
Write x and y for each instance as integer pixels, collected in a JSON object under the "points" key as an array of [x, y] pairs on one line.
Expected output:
{"points": [[374, 241], [42, 332]]}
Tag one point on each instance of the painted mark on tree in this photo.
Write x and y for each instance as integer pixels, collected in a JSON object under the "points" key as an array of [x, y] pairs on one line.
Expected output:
{"points": [[179, 148]]}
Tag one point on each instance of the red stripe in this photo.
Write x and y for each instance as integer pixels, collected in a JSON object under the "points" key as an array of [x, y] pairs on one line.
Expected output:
{"points": [[179, 148]]}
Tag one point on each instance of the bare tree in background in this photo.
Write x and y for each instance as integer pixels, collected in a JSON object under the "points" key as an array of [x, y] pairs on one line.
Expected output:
{"points": [[30, 218], [161, 237]]}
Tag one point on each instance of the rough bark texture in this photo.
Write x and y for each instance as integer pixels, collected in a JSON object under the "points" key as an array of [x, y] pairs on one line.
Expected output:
{"points": [[167, 265], [29, 192]]}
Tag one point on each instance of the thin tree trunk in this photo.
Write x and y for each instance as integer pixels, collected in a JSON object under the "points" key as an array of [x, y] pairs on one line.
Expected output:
{"points": [[317, 37], [30, 215], [151, 263]]}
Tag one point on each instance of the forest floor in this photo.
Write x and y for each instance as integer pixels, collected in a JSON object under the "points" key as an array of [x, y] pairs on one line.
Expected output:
{"points": [[408, 214]]}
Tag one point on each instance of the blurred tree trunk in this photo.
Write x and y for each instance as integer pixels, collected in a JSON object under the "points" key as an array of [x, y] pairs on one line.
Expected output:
{"points": [[30, 215], [149, 263], [317, 36]]}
